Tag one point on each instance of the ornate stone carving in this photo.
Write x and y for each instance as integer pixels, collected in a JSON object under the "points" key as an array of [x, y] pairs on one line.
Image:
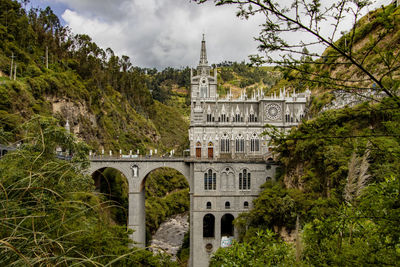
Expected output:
{"points": [[273, 111]]}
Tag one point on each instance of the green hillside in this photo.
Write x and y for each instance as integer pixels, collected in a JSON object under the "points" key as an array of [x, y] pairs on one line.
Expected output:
{"points": [[109, 104], [236, 77], [105, 98], [336, 201]]}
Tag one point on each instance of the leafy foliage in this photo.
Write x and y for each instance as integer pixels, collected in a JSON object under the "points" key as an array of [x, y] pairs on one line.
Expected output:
{"points": [[263, 249], [107, 100], [49, 213]]}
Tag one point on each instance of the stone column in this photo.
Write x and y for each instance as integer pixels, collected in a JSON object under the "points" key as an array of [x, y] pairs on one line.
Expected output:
{"points": [[137, 218], [191, 230]]}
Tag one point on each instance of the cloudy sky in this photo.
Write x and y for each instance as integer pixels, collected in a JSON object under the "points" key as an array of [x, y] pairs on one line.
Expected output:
{"points": [[161, 33]]}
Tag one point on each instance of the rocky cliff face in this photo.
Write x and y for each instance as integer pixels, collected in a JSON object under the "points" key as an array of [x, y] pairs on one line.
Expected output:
{"points": [[169, 237]]}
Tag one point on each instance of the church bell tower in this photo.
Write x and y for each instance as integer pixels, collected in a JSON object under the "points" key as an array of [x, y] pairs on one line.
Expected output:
{"points": [[203, 84]]}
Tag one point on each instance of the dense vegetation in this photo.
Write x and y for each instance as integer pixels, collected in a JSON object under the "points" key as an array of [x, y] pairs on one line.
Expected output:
{"points": [[336, 200], [340, 178], [108, 102], [234, 77], [337, 194], [167, 194], [49, 214]]}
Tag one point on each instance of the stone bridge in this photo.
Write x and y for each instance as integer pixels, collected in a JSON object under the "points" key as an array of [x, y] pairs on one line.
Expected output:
{"points": [[136, 170]]}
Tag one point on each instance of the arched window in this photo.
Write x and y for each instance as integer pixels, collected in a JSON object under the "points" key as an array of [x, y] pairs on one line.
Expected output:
{"points": [[244, 180], [246, 205], [208, 225], [240, 144], [238, 118], [210, 150], [252, 118], [227, 225], [268, 179], [225, 144], [208, 205], [223, 118], [198, 150], [254, 143], [210, 180], [227, 205], [227, 180]]}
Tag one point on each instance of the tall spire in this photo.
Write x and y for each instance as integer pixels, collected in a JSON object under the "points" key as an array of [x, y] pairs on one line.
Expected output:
{"points": [[203, 53]]}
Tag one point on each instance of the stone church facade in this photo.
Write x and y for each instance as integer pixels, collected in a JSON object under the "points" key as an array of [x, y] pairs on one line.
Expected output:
{"points": [[231, 157], [229, 160]]}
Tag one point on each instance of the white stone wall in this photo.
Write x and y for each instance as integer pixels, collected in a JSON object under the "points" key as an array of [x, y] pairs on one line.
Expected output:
{"points": [[259, 173]]}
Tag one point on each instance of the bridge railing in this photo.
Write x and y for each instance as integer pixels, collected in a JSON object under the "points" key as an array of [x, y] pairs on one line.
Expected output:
{"points": [[141, 157]]}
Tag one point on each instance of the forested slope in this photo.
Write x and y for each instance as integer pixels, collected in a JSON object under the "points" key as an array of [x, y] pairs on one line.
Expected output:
{"points": [[336, 200], [108, 101], [109, 104]]}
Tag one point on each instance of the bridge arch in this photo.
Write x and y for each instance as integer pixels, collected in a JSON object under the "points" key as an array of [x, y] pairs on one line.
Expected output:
{"points": [[158, 188], [96, 166], [146, 169], [136, 172], [113, 186]]}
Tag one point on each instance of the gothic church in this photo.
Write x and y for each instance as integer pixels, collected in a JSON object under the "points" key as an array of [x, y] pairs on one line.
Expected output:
{"points": [[231, 158]]}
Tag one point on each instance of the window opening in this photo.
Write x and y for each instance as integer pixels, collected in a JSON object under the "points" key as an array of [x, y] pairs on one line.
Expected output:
{"points": [[244, 180], [227, 228], [208, 225], [210, 180]]}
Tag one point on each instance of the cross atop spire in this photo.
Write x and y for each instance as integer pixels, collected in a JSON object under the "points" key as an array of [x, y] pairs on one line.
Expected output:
{"points": [[203, 53]]}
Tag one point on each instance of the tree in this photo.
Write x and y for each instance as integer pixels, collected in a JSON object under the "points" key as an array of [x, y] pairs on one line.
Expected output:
{"points": [[49, 214], [264, 249], [319, 23]]}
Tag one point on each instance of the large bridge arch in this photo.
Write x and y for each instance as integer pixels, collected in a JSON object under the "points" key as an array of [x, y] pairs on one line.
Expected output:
{"points": [[99, 165], [136, 171], [145, 168]]}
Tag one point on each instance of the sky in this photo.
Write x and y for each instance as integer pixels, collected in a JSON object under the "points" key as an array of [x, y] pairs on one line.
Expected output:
{"points": [[162, 33]]}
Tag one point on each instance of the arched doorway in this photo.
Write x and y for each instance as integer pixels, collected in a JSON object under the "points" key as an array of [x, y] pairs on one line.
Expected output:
{"points": [[198, 150], [227, 228], [210, 150], [208, 225], [112, 186]]}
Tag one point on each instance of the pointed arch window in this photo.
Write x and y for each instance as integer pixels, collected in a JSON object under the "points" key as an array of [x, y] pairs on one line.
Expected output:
{"points": [[210, 180], [252, 118], [240, 144], [254, 143], [224, 147], [198, 150], [238, 118], [245, 180], [287, 117]]}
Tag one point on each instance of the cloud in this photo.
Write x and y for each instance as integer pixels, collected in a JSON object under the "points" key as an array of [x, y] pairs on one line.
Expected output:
{"points": [[161, 33]]}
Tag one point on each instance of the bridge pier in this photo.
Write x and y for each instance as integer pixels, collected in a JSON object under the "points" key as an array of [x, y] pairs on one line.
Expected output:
{"points": [[137, 217]]}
